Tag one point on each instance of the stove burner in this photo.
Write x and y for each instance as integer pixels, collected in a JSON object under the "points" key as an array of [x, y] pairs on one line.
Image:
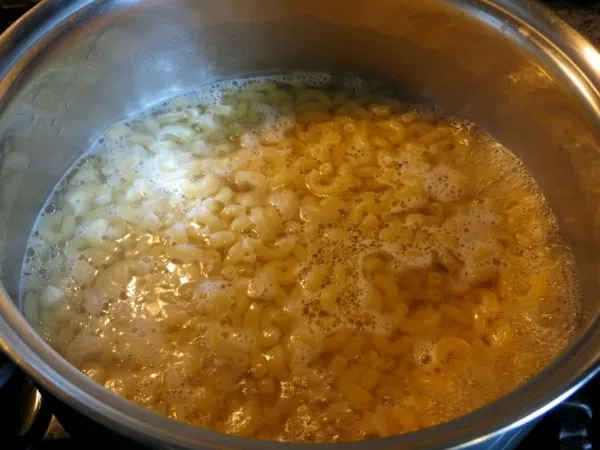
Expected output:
{"points": [[572, 425], [23, 414], [576, 418]]}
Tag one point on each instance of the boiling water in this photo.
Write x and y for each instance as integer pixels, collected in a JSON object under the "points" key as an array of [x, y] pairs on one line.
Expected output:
{"points": [[301, 264]]}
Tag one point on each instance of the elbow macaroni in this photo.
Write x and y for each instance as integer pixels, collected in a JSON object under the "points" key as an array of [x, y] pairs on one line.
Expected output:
{"points": [[299, 265]]}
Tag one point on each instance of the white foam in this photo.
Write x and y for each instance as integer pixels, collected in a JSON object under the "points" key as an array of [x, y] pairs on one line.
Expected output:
{"points": [[419, 256], [444, 184], [208, 288]]}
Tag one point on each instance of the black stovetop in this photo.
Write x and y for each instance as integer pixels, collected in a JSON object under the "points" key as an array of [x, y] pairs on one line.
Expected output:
{"points": [[11, 10], [27, 422]]}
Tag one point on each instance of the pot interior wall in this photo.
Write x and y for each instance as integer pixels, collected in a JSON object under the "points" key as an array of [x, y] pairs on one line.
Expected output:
{"points": [[114, 58]]}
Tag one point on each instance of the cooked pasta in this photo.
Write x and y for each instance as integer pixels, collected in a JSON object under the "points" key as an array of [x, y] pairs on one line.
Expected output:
{"points": [[296, 263]]}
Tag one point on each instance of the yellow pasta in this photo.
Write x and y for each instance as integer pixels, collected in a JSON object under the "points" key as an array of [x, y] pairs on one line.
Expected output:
{"points": [[299, 264], [57, 228], [355, 394]]}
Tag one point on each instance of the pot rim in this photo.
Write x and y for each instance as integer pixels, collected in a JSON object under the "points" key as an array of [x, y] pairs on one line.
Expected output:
{"points": [[530, 22]]}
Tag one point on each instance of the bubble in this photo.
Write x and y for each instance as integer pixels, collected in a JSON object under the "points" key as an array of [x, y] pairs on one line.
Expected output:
{"points": [[424, 353]]}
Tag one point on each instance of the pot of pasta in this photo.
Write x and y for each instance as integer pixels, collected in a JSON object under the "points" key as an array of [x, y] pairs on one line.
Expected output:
{"points": [[266, 224]]}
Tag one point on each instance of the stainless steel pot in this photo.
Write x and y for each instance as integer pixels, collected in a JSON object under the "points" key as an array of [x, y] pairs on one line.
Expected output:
{"points": [[70, 68]]}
